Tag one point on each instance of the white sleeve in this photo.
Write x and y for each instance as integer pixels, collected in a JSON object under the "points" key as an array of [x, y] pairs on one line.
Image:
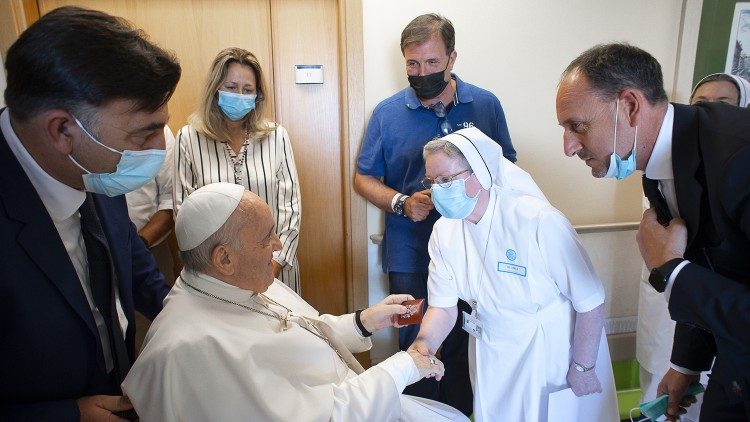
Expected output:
{"points": [[164, 177], [441, 281], [346, 330], [287, 199], [567, 262]]}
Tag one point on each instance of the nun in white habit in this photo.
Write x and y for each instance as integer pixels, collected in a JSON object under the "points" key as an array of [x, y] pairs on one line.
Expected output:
{"points": [[233, 344], [724, 88], [537, 341]]}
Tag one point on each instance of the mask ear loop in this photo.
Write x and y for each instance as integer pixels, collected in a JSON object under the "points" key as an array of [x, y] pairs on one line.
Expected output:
{"points": [[78, 122], [639, 420], [614, 137]]}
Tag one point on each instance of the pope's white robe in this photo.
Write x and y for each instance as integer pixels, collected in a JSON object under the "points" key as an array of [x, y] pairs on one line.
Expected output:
{"points": [[208, 360]]}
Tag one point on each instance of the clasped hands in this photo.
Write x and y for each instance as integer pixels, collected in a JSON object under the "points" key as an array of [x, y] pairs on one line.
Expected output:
{"points": [[385, 314]]}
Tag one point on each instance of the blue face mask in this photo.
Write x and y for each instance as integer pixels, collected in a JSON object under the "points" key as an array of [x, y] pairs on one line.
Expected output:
{"points": [[657, 407], [619, 168], [236, 106], [452, 202], [134, 170]]}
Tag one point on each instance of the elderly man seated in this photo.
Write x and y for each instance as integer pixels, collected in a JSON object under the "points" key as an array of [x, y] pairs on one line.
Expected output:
{"points": [[234, 344]]}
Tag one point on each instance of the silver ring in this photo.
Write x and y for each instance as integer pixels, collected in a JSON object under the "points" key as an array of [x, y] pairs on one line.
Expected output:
{"points": [[432, 361]]}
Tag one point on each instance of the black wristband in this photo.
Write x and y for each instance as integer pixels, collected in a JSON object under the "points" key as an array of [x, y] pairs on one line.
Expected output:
{"points": [[358, 320]]}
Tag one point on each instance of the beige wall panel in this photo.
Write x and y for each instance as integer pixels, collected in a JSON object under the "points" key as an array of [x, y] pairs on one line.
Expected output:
{"points": [[195, 31], [305, 32]]}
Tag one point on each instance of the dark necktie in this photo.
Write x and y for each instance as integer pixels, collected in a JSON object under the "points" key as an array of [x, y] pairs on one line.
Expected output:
{"points": [[103, 282], [656, 200]]}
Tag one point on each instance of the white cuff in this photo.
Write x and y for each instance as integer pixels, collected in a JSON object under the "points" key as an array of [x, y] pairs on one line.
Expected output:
{"points": [[402, 369], [672, 277], [682, 370]]}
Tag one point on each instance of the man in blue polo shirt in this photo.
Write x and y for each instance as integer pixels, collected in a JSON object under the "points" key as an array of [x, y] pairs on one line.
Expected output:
{"points": [[390, 169]]}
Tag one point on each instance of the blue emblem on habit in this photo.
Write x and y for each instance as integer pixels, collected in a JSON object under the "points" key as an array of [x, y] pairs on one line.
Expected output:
{"points": [[511, 254]]}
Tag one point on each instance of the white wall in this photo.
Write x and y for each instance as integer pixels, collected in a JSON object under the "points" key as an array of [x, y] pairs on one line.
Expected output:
{"points": [[517, 49]]}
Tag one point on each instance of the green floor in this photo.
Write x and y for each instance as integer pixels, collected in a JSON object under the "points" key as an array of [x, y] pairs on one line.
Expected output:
{"points": [[628, 387]]}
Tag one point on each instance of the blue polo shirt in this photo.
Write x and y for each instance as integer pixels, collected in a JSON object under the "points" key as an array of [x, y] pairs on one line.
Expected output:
{"points": [[398, 130]]}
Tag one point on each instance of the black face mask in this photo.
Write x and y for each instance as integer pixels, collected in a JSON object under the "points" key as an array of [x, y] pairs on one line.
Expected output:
{"points": [[429, 86]]}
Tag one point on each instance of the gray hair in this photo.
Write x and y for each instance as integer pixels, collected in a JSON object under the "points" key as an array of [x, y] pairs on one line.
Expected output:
{"points": [[423, 27], [447, 148], [198, 259], [611, 68]]}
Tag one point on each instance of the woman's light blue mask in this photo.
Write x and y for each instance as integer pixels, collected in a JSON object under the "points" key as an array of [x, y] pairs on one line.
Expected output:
{"points": [[452, 202], [619, 168], [236, 106], [134, 170]]}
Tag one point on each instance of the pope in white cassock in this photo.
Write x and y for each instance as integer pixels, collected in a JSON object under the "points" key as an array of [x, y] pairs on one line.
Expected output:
{"points": [[233, 344], [537, 350]]}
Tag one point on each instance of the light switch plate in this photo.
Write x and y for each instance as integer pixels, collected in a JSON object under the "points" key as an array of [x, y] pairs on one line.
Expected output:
{"points": [[308, 73]]}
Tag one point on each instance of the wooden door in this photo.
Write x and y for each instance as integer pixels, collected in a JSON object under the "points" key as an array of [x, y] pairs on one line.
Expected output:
{"points": [[281, 33]]}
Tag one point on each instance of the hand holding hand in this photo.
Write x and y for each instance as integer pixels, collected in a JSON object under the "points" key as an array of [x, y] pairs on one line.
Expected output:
{"points": [[583, 383], [418, 206], [100, 408], [675, 383], [428, 366], [659, 244], [385, 313]]}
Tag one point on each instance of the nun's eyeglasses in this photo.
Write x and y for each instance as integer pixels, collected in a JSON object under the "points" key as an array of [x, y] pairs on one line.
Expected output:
{"points": [[440, 112], [444, 181]]}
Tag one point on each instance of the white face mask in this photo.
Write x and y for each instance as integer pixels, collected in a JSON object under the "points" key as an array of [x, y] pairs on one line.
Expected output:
{"points": [[619, 168], [134, 169]]}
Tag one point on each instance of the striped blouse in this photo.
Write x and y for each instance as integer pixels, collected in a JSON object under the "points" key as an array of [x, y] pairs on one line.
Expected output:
{"points": [[265, 167]]}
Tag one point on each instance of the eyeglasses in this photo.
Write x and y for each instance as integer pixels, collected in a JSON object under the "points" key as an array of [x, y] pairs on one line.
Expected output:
{"points": [[444, 181], [440, 112]]}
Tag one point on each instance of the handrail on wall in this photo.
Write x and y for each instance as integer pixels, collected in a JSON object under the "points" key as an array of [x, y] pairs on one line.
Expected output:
{"points": [[608, 227], [377, 238]]}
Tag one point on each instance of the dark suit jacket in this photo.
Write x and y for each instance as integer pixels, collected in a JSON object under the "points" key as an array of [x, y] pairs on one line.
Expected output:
{"points": [[50, 352], [710, 297]]}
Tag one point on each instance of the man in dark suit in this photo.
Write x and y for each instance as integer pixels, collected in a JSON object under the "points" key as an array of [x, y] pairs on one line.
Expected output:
{"points": [[86, 96], [696, 159]]}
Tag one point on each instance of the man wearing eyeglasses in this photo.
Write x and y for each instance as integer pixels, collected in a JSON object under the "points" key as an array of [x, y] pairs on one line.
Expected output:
{"points": [[390, 169]]}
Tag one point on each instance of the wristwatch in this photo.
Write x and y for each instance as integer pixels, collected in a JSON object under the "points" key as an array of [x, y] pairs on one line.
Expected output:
{"points": [[581, 368], [660, 275], [398, 206]]}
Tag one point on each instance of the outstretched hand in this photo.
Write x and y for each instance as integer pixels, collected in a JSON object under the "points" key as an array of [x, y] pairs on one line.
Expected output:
{"points": [[385, 313]]}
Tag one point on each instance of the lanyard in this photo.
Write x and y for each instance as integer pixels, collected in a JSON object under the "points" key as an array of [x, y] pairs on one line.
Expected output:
{"points": [[474, 302]]}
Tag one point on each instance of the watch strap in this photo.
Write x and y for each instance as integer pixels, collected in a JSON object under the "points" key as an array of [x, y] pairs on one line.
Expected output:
{"points": [[581, 368], [660, 275]]}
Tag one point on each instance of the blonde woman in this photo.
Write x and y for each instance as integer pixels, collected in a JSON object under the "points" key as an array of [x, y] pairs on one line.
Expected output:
{"points": [[229, 140]]}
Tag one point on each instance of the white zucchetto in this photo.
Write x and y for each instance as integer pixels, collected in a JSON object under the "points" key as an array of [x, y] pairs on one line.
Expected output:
{"points": [[204, 212]]}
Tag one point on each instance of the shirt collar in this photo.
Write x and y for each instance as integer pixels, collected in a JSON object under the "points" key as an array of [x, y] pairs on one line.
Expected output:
{"points": [[60, 200], [462, 94], [659, 166]]}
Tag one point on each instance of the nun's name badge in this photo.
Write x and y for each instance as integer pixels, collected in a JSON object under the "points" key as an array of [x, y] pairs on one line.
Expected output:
{"points": [[507, 267], [472, 325]]}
